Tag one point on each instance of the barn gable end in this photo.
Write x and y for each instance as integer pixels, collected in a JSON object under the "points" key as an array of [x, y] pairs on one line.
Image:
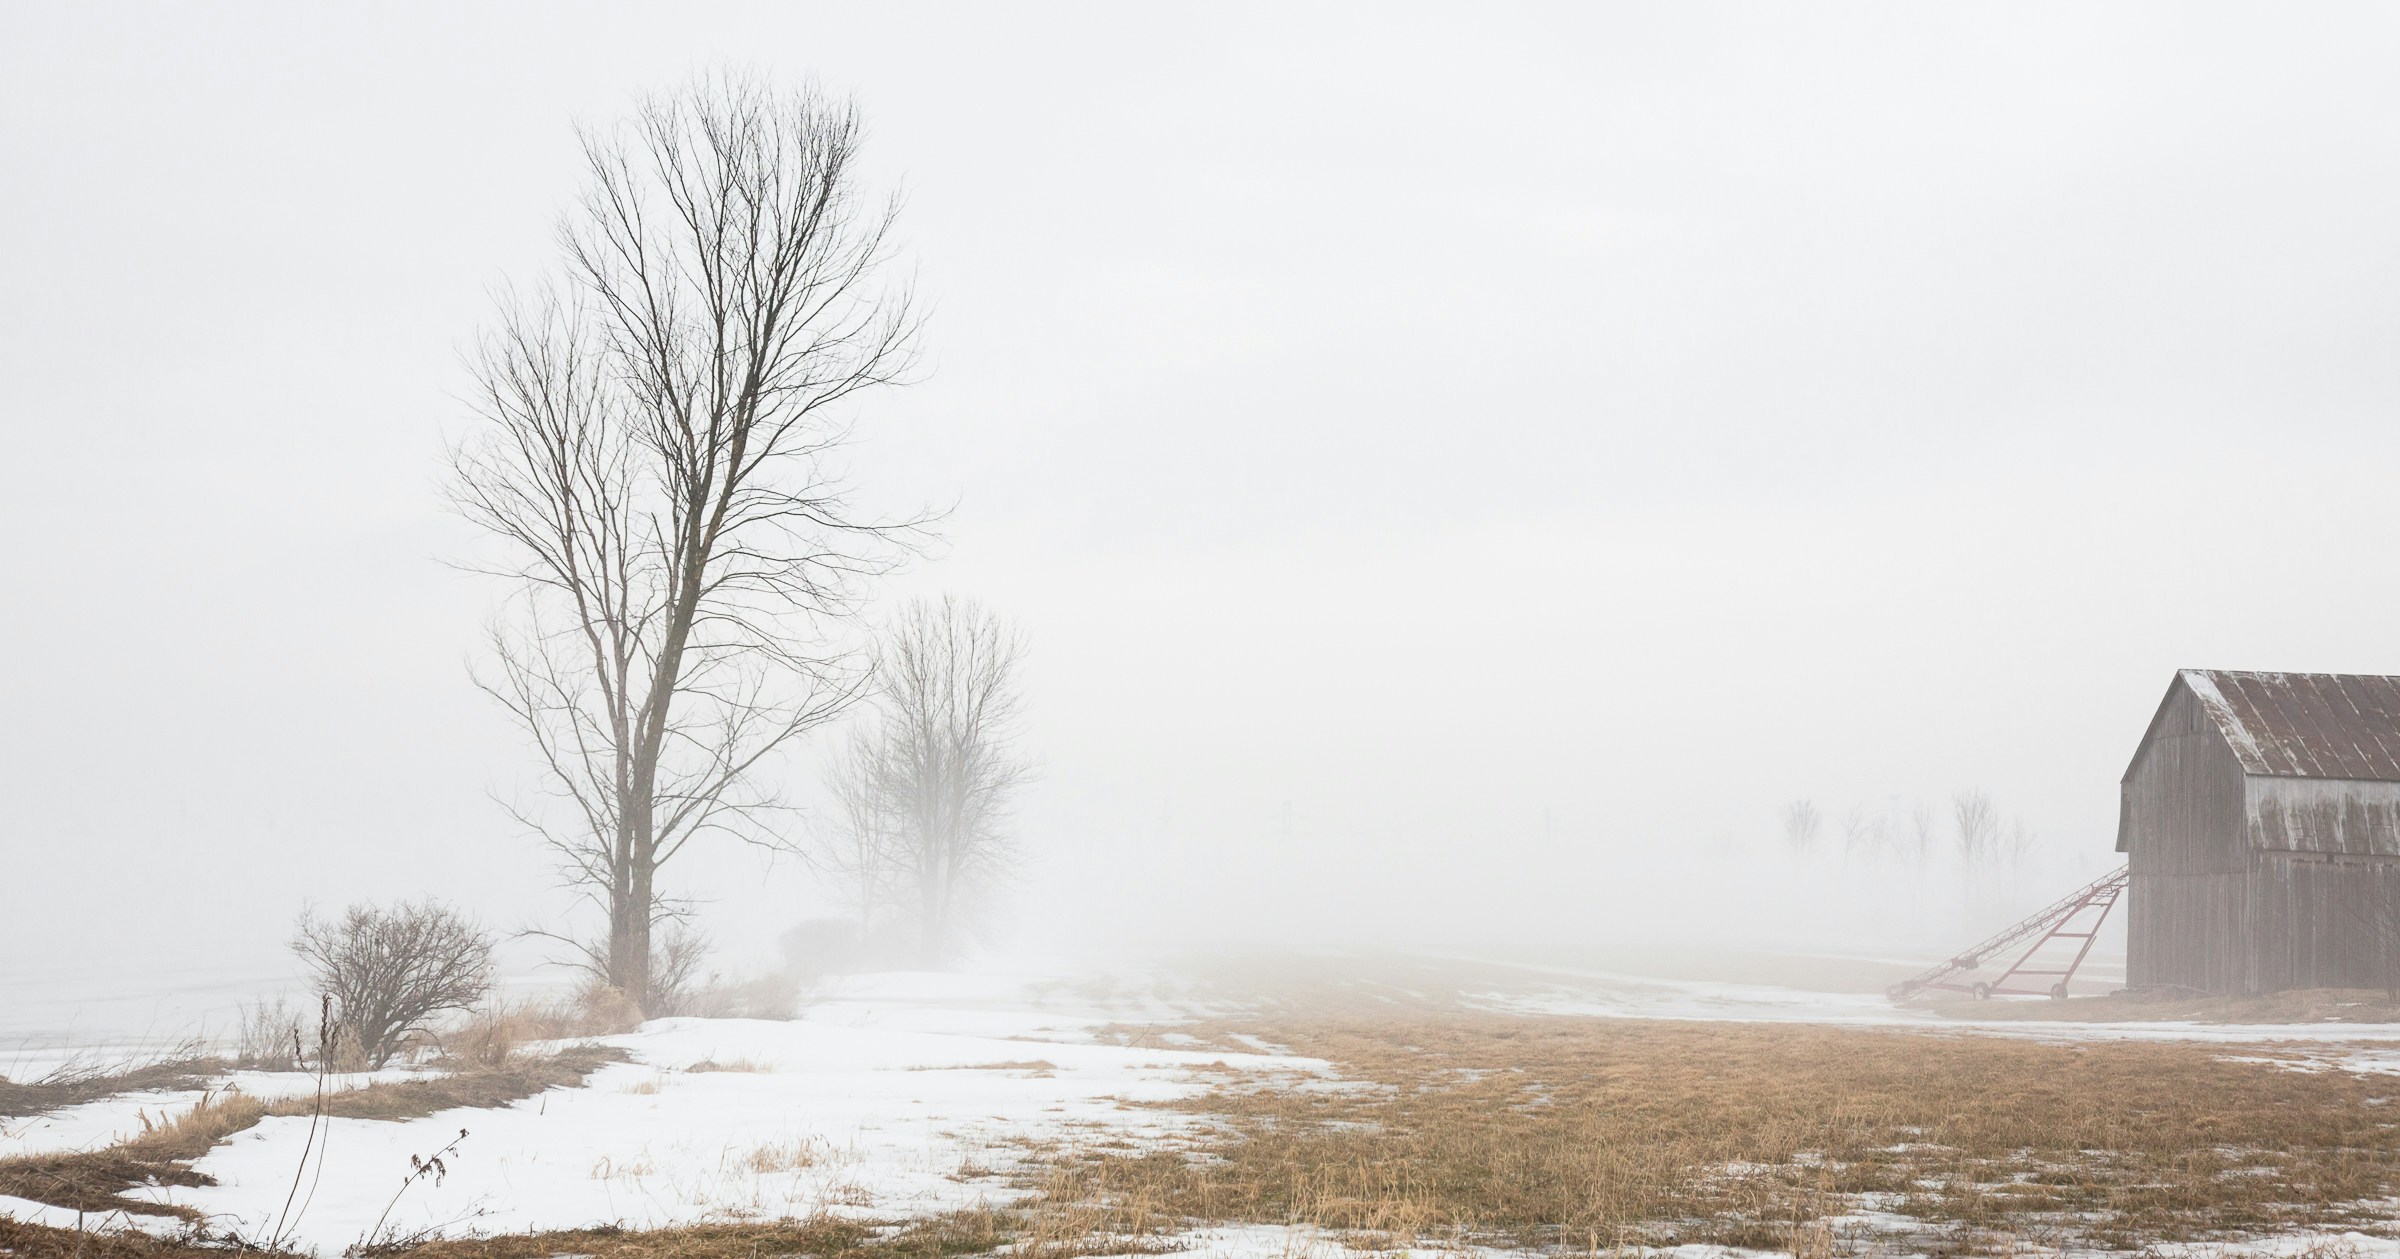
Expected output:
{"points": [[2260, 816]]}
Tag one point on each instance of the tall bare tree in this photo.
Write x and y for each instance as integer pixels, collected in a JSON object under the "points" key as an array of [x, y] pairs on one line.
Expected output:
{"points": [[926, 791], [653, 460]]}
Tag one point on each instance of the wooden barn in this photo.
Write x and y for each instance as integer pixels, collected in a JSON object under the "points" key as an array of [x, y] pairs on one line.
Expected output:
{"points": [[2261, 821]]}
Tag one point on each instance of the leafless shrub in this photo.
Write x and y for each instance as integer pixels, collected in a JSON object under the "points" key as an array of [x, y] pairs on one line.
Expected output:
{"points": [[271, 1037], [390, 971], [676, 959], [679, 988]]}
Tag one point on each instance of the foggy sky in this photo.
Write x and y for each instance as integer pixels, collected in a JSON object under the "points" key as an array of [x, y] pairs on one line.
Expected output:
{"points": [[1459, 470]]}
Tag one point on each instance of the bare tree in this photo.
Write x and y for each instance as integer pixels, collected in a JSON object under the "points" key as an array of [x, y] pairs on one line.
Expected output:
{"points": [[675, 970], [860, 845], [934, 778], [389, 971], [1922, 824], [1801, 821], [653, 461], [2017, 847], [1863, 833], [1978, 828]]}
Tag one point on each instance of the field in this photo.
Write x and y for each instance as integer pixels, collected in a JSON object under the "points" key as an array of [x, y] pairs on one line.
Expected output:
{"points": [[1297, 1106]]}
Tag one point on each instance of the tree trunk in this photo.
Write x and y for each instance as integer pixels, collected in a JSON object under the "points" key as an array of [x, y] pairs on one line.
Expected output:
{"points": [[930, 927]]}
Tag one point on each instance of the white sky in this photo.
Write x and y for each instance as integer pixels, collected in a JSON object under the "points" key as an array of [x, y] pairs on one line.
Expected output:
{"points": [[1437, 454]]}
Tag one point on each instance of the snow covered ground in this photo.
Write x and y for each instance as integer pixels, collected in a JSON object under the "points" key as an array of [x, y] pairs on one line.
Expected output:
{"points": [[901, 1095], [893, 1095], [112, 1119]]}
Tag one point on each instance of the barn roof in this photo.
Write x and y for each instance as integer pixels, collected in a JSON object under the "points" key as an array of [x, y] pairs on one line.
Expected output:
{"points": [[2305, 725]]}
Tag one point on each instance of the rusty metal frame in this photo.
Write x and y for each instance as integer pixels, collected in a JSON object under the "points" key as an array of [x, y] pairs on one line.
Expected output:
{"points": [[2051, 923]]}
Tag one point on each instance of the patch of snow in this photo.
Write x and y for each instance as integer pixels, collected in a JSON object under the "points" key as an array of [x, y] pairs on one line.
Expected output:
{"points": [[857, 1117], [48, 1216], [108, 1120]]}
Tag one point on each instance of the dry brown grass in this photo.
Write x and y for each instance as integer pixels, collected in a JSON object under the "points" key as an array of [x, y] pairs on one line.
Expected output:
{"points": [[501, 1030], [96, 1180], [783, 1156], [962, 1233], [33, 1241], [826, 1237], [79, 1082], [1570, 1131], [512, 1080], [1578, 1134], [1058, 1234]]}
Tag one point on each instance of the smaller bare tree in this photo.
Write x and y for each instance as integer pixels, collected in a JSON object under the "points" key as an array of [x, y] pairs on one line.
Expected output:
{"points": [[2018, 847], [927, 790], [1863, 834], [676, 958], [1801, 821], [1923, 823], [1978, 828], [860, 845], [390, 971]]}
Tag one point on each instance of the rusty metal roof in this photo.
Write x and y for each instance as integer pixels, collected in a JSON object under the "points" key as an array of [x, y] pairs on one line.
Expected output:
{"points": [[2305, 725]]}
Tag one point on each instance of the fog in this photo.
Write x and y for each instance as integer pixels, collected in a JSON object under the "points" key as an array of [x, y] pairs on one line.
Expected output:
{"points": [[1461, 474]]}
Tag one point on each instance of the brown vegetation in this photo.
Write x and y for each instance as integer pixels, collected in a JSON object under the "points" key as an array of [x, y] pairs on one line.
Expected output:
{"points": [[1445, 1125], [79, 1082], [1575, 1131], [97, 1180], [385, 972], [20, 1240], [499, 1031], [967, 1233]]}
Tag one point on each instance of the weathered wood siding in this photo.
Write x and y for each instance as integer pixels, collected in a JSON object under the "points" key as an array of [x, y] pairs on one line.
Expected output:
{"points": [[2315, 919], [2261, 818], [2183, 831], [2329, 815]]}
